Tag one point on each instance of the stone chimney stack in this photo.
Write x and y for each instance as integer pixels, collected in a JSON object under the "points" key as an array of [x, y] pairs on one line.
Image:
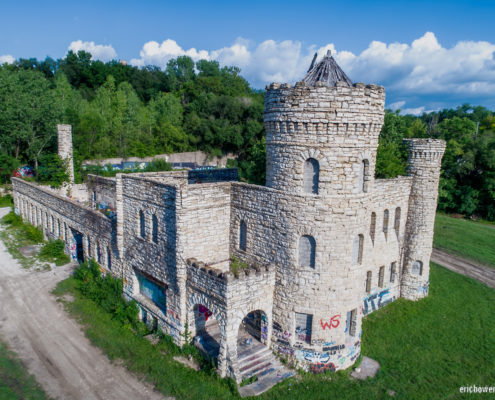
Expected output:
{"points": [[65, 149]]}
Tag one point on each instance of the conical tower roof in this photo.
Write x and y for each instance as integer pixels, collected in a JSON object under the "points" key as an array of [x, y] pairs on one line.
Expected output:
{"points": [[326, 71]]}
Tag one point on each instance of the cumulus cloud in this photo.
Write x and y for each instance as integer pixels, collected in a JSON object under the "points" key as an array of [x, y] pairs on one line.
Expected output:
{"points": [[7, 58], [98, 51]]}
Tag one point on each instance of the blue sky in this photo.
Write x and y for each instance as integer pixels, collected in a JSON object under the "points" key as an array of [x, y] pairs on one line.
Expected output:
{"points": [[427, 54]]}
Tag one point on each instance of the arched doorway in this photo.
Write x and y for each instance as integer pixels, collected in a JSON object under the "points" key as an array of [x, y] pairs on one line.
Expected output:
{"points": [[206, 331]]}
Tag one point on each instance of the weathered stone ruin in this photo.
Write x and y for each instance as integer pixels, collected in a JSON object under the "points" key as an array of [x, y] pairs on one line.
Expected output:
{"points": [[292, 266]]}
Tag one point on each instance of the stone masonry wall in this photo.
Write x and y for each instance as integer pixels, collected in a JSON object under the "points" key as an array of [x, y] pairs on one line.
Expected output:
{"points": [[101, 190]]}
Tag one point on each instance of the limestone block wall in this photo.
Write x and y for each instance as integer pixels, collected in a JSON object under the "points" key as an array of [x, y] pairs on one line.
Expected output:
{"points": [[337, 126], [101, 190], [204, 223], [62, 218], [425, 158]]}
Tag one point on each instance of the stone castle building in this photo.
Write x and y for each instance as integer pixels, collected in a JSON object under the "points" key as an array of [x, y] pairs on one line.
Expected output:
{"points": [[295, 264]]}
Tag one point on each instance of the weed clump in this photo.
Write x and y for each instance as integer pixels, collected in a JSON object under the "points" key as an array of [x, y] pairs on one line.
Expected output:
{"points": [[53, 251]]}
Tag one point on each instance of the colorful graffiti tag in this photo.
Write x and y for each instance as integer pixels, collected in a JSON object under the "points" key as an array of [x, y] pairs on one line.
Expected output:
{"points": [[375, 301], [202, 310], [319, 368]]}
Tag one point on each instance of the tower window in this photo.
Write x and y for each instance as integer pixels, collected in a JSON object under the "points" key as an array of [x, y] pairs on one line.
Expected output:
{"points": [[311, 176], [242, 236], [368, 282], [352, 317], [417, 268], [393, 271], [381, 274], [363, 175], [109, 258], [304, 327], [357, 250], [385, 223], [373, 227], [307, 251]]}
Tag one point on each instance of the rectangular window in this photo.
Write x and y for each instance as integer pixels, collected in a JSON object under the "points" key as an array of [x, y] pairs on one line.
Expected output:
{"points": [[393, 271], [304, 324], [368, 281], [352, 321], [153, 291], [381, 274]]}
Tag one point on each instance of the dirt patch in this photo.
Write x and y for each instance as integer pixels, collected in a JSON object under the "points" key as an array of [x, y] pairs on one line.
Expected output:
{"points": [[51, 345]]}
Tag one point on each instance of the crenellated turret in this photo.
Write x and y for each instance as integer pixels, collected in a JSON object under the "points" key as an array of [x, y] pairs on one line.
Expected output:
{"points": [[425, 160], [324, 126]]}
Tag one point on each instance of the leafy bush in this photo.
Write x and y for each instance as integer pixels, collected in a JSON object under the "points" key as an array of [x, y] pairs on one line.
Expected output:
{"points": [[237, 265], [106, 291], [6, 201], [53, 251]]}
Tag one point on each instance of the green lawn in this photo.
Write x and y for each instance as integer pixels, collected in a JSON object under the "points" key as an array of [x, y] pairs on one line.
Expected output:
{"points": [[468, 239], [427, 349], [15, 381]]}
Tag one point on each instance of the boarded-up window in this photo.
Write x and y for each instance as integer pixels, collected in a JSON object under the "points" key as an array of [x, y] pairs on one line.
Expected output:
{"points": [[154, 224], [152, 291], [307, 251], [352, 322], [393, 271], [142, 226], [385, 223], [242, 236], [373, 227], [381, 274], [357, 249], [417, 268], [368, 281], [311, 176], [304, 323], [397, 221]]}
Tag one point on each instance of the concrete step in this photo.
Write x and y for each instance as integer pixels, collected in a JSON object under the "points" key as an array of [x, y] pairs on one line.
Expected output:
{"points": [[266, 380], [248, 365], [251, 351]]}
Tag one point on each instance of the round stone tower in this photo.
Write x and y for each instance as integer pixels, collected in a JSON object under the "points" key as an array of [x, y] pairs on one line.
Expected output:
{"points": [[321, 137], [327, 119], [425, 160]]}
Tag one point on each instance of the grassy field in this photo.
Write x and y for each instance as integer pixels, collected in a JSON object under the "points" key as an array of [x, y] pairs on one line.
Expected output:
{"points": [[426, 349], [15, 381], [468, 239]]}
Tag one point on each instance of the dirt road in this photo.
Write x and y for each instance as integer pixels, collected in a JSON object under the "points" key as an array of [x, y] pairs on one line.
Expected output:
{"points": [[51, 345], [464, 267]]}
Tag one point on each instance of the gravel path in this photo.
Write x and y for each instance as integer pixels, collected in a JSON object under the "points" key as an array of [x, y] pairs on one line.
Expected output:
{"points": [[465, 267], [51, 345]]}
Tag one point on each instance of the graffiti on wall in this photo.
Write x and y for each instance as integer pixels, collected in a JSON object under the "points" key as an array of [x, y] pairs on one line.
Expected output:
{"points": [[376, 301], [203, 311], [73, 248], [423, 290], [334, 322]]}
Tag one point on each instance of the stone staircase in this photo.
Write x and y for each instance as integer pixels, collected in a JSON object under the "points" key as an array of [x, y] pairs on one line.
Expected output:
{"points": [[258, 360]]}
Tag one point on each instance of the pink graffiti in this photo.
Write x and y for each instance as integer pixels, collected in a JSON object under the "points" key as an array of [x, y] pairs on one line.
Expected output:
{"points": [[334, 322]]}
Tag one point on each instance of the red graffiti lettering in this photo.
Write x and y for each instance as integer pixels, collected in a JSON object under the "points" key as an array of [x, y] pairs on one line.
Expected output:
{"points": [[319, 368], [334, 322], [203, 310]]}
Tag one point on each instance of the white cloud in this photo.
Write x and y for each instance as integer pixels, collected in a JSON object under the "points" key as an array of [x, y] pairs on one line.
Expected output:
{"points": [[7, 58], [397, 105], [98, 51], [413, 111]]}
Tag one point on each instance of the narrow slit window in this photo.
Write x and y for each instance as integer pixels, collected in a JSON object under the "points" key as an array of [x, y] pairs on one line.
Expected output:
{"points": [[352, 317], [393, 271], [142, 226], [373, 227], [385, 223], [368, 281], [109, 258], [381, 274], [243, 235], [154, 223], [397, 221], [357, 250], [307, 251]]}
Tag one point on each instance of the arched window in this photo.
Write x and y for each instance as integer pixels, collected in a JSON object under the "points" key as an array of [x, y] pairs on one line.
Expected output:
{"points": [[307, 251], [154, 224], [142, 226], [357, 250], [311, 176], [417, 268], [397, 221], [393, 271], [363, 175], [373, 227], [385, 223], [242, 235], [381, 275]]}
